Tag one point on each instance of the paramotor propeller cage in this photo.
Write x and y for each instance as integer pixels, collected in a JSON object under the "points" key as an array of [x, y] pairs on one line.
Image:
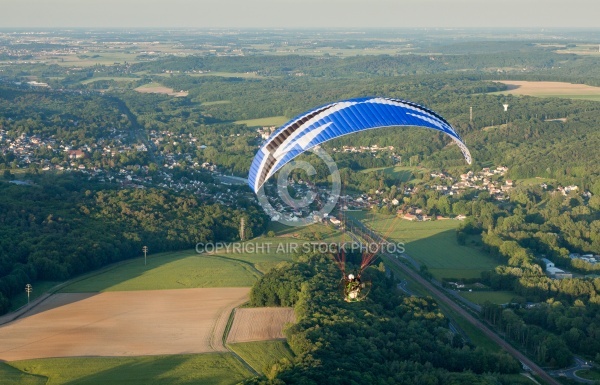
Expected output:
{"points": [[354, 290]]}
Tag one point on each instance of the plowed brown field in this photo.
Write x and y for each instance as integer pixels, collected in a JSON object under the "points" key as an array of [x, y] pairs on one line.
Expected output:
{"points": [[131, 323], [259, 324]]}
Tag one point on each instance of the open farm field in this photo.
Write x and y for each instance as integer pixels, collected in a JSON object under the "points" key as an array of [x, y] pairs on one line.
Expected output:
{"points": [[156, 88], [432, 243], [266, 252], [551, 89], [260, 122], [216, 102], [259, 324], [209, 369], [175, 270], [497, 297], [245, 75], [262, 354], [131, 323], [115, 78]]}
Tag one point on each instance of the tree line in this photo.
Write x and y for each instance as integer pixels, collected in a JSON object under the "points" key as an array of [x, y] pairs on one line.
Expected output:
{"points": [[63, 226]]}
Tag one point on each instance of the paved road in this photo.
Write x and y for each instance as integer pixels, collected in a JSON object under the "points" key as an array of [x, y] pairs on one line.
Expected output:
{"points": [[580, 364], [472, 305], [230, 179], [439, 295]]}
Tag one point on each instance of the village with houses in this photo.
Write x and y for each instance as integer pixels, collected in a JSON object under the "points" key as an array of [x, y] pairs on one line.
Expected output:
{"points": [[33, 153], [28, 152]]}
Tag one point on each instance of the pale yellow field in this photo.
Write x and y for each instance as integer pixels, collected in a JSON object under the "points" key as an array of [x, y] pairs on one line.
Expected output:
{"points": [[155, 88], [260, 324], [133, 323], [556, 89], [270, 121]]}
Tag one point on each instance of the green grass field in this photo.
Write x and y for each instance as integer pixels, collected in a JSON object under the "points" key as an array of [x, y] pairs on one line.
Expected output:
{"points": [[262, 253], [244, 75], [12, 376], [593, 374], [261, 355], [216, 102], [432, 243], [179, 270], [187, 269], [221, 74], [225, 267], [298, 232], [577, 97], [497, 297], [115, 78], [150, 85], [261, 122], [267, 252], [209, 369]]}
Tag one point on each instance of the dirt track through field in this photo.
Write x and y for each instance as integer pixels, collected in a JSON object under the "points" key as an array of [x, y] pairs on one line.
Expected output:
{"points": [[131, 323], [260, 324]]}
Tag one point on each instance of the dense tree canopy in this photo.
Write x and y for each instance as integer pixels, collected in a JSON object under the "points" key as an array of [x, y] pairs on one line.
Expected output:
{"points": [[387, 339]]}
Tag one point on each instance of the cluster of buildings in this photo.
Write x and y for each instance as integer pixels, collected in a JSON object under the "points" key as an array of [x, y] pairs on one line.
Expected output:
{"points": [[265, 132], [490, 180], [589, 258], [51, 154], [366, 149], [415, 214], [553, 271]]}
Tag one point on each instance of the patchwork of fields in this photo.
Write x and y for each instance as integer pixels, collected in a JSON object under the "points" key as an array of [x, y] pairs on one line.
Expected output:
{"points": [[142, 323], [134, 315]]}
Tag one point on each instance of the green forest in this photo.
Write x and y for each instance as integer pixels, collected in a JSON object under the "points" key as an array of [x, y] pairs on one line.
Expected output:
{"points": [[63, 226], [565, 317], [388, 339], [93, 170]]}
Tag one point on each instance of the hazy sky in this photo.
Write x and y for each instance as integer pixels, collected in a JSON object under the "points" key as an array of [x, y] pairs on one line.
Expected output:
{"points": [[300, 13]]}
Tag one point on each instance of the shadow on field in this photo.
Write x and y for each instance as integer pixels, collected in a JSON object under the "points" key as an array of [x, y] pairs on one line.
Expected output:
{"points": [[52, 302], [165, 271], [13, 376], [161, 370], [58, 300]]}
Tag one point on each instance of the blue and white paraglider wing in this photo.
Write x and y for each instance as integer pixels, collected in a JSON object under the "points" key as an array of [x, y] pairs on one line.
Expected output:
{"points": [[337, 119]]}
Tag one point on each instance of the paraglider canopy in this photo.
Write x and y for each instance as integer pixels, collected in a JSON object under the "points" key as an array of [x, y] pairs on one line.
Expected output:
{"points": [[337, 119]]}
